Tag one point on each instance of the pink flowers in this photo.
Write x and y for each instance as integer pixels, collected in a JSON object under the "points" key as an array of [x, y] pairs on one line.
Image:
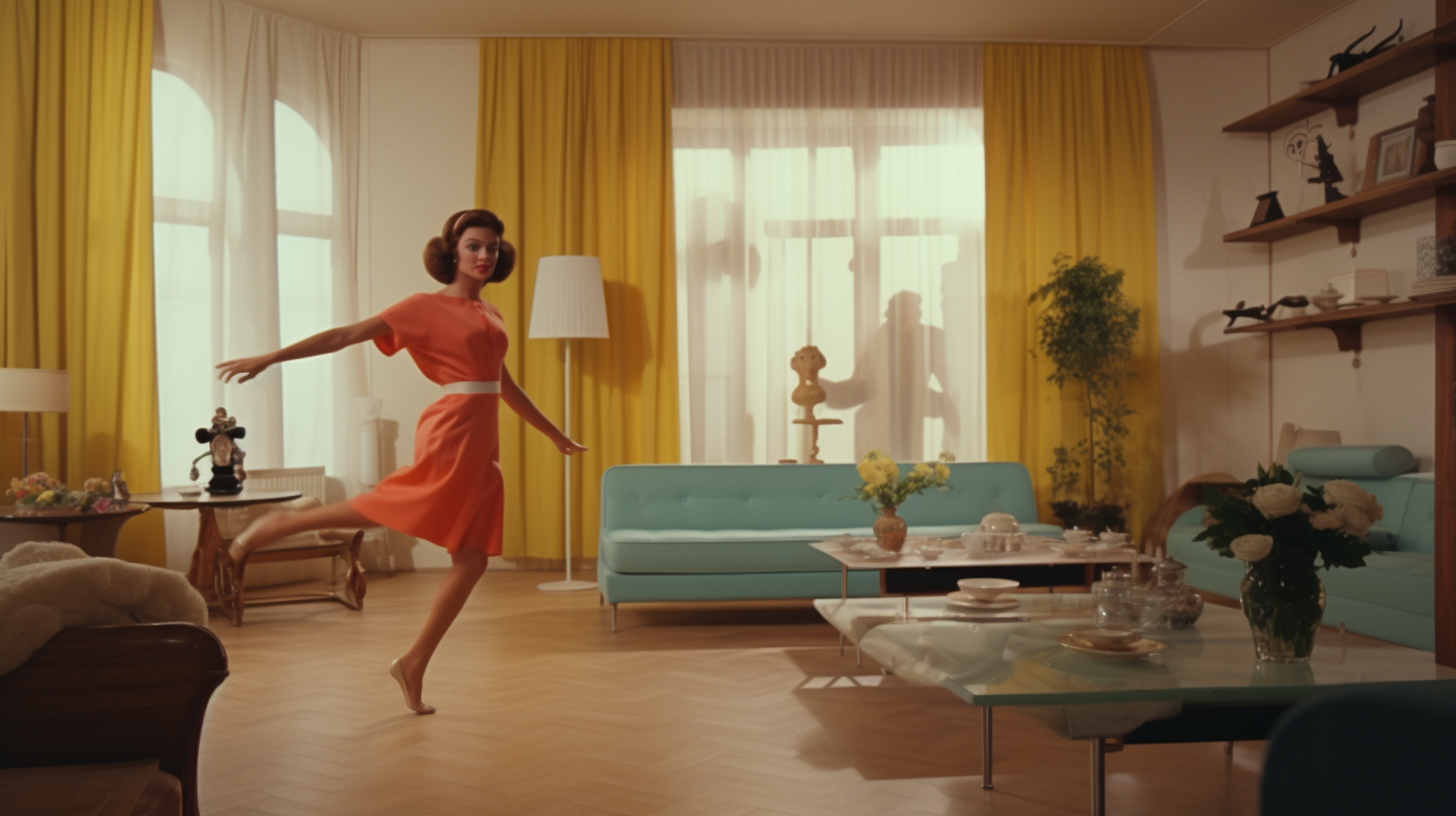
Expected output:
{"points": [[39, 491]]}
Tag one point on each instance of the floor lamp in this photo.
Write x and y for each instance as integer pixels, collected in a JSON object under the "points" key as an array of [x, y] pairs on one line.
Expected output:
{"points": [[569, 303], [33, 389]]}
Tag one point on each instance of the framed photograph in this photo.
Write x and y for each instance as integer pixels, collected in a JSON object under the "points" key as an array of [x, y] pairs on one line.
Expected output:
{"points": [[1392, 156]]}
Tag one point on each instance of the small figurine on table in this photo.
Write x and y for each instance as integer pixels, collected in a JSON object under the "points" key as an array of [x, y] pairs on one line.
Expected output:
{"points": [[227, 458]]}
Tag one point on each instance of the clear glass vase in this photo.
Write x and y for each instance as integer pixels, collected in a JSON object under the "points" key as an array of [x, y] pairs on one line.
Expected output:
{"points": [[890, 530], [1284, 609]]}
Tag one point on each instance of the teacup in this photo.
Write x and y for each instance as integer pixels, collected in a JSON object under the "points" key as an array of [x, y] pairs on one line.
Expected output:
{"points": [[1076, 536], [1111, 539]]}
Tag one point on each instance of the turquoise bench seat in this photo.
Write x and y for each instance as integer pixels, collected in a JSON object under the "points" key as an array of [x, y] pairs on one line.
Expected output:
{"points": [[1393, 597], [742, 532]]}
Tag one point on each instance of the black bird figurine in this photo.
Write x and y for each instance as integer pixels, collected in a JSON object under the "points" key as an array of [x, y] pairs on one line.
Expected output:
{"points": [[1345, 60], [1329, 174]]}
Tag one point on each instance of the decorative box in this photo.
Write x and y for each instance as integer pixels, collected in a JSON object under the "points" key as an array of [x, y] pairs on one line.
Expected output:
{"points": [[1359, 284]]}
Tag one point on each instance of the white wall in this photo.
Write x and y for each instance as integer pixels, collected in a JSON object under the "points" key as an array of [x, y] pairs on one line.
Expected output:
{"points": [[1215, 386], [1391, 397], [419, 102], [1226, 396]]}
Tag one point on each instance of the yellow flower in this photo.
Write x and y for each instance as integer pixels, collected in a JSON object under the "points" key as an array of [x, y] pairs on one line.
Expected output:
{"points": [[867, 470], [888, 467], [921, 472], [45, 499], [942, 473]]}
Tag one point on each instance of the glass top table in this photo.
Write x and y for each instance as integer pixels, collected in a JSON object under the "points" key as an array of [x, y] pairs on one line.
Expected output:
{"points": [[1012, 658]]}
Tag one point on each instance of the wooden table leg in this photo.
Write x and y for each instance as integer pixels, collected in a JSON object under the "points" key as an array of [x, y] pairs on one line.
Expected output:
{"points": [[201, 575]]}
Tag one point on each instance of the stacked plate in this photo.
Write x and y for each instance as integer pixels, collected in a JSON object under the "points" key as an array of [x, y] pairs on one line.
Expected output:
{"points": [[983, 595], [1110, 644]]}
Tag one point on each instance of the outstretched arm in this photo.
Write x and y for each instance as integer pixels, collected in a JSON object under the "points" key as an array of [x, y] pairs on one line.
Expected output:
{"points": [[325, 342], [513, 396]]}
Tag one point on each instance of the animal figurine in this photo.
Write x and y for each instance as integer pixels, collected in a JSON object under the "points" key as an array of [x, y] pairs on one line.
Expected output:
{"points": [[1262, 313], [1256, 312], [1345, 60], [1329, 173], [228, 474]]}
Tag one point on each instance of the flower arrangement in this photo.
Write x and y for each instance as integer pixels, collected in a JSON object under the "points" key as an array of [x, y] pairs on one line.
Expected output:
{"points": [[884, 486], [1284, 535], [40, 492]]}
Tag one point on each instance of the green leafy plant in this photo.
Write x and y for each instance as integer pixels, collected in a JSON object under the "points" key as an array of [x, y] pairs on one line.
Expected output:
{"points": [[1086, 331]]}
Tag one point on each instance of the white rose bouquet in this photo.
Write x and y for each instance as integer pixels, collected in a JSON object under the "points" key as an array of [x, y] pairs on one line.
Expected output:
{"points": [[1284, 535]]}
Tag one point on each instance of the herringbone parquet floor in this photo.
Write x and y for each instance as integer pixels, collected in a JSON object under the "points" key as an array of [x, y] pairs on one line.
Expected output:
{"points": [[691, 710]]}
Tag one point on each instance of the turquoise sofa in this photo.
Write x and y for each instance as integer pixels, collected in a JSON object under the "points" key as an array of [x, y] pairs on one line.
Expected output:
{"points": [[1393, 597], [742, 532]]}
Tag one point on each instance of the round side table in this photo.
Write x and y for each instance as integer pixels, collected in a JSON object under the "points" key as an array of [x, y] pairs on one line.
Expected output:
{"points": [[209, 538], [98, 530]]}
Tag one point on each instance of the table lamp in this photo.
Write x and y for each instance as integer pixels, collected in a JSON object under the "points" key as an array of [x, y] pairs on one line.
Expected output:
{"points": [[33, 389], [569, 303]]}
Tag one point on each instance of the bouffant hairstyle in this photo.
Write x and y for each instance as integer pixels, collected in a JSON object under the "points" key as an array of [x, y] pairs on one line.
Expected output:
{"points": [[440, 260]]}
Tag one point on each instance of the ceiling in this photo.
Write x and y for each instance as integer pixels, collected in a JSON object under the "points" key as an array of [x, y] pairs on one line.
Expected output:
{"points": [[1207, 23]]}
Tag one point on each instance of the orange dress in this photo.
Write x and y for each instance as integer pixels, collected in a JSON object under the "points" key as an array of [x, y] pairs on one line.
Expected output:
{"points": [[453, 494]]}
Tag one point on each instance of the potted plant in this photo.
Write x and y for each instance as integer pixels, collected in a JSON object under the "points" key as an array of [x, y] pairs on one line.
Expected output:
{"points": [[1284, 537], [1086, 331], [886, 489]]}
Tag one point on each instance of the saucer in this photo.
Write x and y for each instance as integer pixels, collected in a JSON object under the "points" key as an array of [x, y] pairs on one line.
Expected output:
{"points": [[880, 555], [189, 492], [1119, 652], [965, 601]]}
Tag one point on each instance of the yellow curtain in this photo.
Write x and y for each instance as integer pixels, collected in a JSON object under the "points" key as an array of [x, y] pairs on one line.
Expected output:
{"points": [[1069, 152], [76, 238], [575, 154]]}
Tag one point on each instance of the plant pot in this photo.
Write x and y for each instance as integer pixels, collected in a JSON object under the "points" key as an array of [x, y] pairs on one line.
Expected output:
{"points": [[1284, 609], [890, 530]]}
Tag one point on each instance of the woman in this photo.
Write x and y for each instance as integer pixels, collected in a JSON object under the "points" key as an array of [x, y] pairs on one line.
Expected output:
{"points": [[453, 493]]}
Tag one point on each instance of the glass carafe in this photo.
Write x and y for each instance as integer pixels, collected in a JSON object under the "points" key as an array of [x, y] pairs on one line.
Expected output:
{"points": [[1180, 605], [1116, 597]]}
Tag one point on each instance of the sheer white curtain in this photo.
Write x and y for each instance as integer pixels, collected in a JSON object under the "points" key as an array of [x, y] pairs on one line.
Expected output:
{"points": [[831, 195], [255, 130]]}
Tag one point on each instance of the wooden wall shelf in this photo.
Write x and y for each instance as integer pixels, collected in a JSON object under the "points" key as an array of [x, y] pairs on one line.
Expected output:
{"points": [[1343, 90], [1345, 215], [1347, 323]]}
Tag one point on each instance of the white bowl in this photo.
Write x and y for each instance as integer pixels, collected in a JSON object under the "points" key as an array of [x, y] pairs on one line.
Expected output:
{"points": [[986, 589]]}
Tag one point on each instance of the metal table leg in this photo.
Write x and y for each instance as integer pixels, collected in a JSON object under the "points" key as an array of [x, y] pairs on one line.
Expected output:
{"points": [[843, 596], [1099, 776], [986, 783]]}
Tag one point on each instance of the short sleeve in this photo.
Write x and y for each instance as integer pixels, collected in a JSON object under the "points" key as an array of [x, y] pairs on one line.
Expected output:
{"points": [[407, 324]]}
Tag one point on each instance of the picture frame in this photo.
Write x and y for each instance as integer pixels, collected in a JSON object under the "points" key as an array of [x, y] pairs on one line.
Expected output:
{"points": [[1392, 156]]}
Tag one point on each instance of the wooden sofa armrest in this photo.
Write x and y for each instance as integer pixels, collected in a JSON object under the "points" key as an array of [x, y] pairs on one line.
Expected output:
{"points": [[96, 694], [1188, 496]]}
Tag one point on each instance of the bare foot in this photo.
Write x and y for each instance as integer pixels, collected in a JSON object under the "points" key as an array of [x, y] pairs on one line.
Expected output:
{"points": [[407, 679]]}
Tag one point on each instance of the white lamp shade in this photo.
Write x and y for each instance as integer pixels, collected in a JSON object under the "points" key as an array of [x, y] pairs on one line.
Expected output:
{"points": [[35, 389], [569, 298]]}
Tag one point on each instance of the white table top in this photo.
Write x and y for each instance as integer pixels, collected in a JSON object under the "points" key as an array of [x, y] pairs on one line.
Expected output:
{"points": [[1039, 553], [1018, 661]]}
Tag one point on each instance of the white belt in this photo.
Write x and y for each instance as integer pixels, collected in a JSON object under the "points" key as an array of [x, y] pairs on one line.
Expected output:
{"points": [[476, 387]]}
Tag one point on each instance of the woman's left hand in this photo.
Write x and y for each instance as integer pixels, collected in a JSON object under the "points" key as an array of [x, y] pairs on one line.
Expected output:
{"points": [[568, 447]]}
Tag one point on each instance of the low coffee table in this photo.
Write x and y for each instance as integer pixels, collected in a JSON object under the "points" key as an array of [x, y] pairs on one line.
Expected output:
{"points": [[1206, 686], [953, 564]]}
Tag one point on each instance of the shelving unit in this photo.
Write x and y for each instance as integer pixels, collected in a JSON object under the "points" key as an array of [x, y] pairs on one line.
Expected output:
{"points": [[1345, 215], [1343, 90], [1347, 323], [1436, 49]]}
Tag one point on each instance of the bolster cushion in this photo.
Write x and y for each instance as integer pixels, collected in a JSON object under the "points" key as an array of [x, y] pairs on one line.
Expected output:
{"points": [[1353, 461]]}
